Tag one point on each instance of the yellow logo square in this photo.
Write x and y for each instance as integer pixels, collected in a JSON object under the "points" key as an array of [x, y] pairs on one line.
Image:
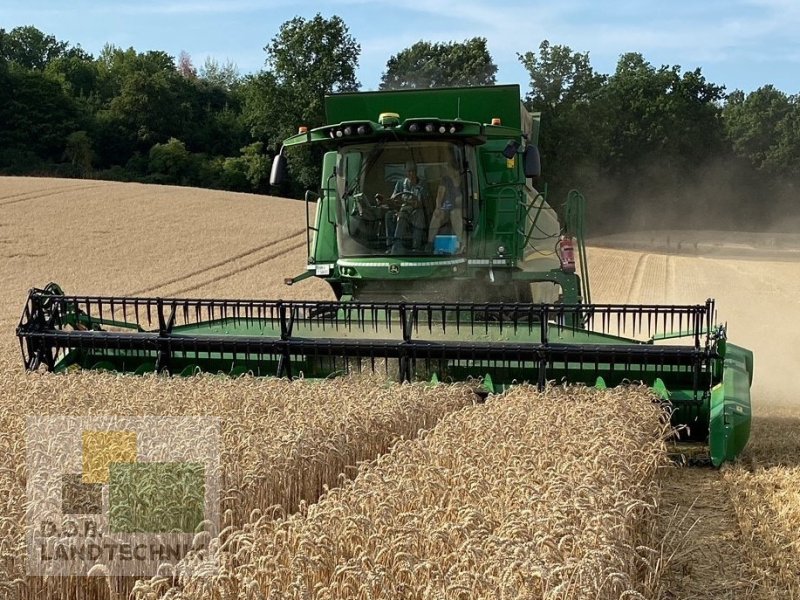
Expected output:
{"points": [[101, 448]]}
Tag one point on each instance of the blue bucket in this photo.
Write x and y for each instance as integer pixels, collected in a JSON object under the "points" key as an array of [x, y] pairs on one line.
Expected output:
{"points": [[445, 244]]}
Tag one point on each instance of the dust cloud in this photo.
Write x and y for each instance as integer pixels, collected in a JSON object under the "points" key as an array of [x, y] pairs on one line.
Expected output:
{"points": [[722, 194], [758, 298], [719, 231]]}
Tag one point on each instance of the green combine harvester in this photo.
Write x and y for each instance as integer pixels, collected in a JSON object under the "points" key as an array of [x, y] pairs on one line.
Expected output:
{"points": [[447, 265]]}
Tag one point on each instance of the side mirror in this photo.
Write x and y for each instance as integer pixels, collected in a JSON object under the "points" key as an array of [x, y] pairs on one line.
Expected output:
{"points": [[341, 175], [278, 173], [340, 164], [510, 151], [532, 162]]}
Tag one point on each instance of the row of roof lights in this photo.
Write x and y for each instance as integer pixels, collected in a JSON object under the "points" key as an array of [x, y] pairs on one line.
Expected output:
{"points": [[349, 130], [414, 127], [419, 127]]}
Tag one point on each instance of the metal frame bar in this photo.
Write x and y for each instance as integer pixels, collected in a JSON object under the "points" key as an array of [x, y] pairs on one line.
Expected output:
{"points": [[45, 332], [58, 311]]}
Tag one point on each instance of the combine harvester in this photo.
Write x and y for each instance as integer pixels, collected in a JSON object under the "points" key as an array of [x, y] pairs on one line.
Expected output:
{"points": [[447, 265]]}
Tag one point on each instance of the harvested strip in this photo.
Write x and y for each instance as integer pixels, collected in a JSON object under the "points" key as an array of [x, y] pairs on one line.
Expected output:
{"points": [[215, 265], [765, 491], [232, 270], [531, 495], [701, 537]]}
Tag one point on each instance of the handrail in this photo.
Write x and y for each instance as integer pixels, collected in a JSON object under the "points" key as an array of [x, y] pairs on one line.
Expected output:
{"points": [[575, 218]]}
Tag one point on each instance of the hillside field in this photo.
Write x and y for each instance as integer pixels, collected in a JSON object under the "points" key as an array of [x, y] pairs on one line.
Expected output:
{"points": [[732, 533]]}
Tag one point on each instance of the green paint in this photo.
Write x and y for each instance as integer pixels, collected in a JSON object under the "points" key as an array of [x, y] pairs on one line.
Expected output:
{"points": [[660, 389], [488, 384], [730, 413], [468, 104]]}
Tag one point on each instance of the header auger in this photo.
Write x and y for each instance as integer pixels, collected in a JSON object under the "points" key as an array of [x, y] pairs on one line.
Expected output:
{"points": [[447, 265]]}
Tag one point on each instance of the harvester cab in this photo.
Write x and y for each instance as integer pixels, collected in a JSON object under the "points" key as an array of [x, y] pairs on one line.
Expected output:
{"points": [[435, 200], [447, 263]]}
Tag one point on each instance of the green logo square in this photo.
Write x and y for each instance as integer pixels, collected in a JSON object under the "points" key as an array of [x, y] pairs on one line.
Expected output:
{"points": [[156, 497]]}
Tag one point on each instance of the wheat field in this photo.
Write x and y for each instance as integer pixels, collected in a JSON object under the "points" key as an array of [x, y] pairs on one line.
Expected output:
{"points": [[497, 501], [712, 534]]}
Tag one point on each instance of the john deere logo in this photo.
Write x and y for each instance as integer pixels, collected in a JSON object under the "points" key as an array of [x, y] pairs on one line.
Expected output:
{"points": [[394, 269]]}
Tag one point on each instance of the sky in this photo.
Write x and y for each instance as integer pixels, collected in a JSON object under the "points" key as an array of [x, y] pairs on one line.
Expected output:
{"points": [[741, 44]]}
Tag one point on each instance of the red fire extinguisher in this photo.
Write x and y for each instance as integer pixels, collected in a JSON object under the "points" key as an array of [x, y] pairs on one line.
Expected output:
{"points": [[565, 249]]}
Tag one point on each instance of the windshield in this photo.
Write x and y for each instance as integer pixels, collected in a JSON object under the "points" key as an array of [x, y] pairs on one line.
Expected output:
{"points": [[402, 198]]}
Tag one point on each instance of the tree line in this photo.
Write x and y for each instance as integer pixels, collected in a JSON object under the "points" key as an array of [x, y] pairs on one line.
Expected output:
{"points": [[649, 145]]}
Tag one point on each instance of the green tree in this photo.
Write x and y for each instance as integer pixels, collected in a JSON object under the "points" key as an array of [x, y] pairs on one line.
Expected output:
{"points": [[311, 58], [78, 72], [29, 48], [785, 156], [225, 76], [151, 101], [560, 76], [564, 88], [78, 152], [760, 127], [764, 131], [306, 60], [3, 49], [664, 134], [170, 162], [248, 172], [660, 116], [117, 65], [216, 124], [427, 65], [36, 115], [267, 106], [233, 174], [257, 165]]}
